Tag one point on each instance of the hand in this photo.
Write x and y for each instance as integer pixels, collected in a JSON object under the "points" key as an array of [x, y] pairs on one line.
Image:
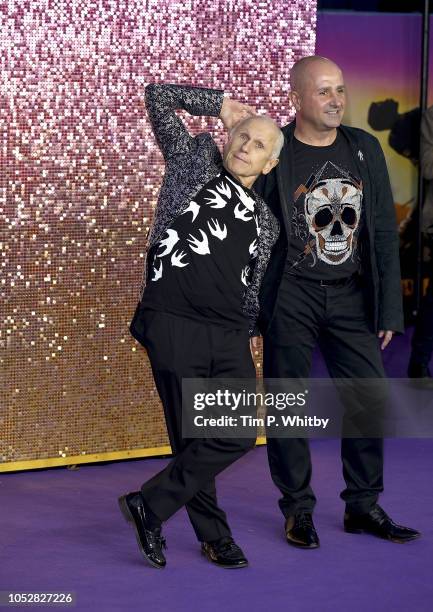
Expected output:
{"points": [[233, 111], [253, 345], [387, 337]]}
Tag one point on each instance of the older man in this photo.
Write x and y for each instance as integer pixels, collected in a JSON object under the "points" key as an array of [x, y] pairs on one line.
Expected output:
{"points": [[209, 247], [333, 279]]}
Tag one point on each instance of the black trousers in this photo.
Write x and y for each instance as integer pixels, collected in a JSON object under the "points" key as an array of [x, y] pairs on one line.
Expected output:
{"points": [[181, 348], [333, 317], [422, 340]]}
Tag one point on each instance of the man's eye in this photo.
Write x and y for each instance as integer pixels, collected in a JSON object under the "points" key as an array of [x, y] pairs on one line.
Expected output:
{"points": [[259, 145]]}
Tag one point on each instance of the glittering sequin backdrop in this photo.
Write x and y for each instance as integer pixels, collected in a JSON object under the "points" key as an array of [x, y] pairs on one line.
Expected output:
{"points": [[78, 180]]}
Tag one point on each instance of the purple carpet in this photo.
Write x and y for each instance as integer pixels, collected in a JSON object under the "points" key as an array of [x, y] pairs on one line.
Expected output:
{"points": [[61, 530]]}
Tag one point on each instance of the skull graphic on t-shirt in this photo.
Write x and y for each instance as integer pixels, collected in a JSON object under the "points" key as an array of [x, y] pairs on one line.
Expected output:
{"points": [[327, 221], [332, 212]]}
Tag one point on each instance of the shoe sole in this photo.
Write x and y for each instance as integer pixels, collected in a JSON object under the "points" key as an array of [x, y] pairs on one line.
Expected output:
{"points": [[304, 546], [124, 508], [395, 540], [224, 566]]}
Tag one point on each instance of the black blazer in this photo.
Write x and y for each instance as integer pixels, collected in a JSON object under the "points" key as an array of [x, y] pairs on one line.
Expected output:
{"points": [[379, 240]]}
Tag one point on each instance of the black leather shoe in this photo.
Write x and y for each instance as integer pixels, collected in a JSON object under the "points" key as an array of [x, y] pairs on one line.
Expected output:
{"points": [[378, 523], [420, 375], [149, 539], [300, 531], [225, 553]]}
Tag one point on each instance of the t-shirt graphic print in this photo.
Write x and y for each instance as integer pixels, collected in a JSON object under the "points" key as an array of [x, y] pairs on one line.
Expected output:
{"points": [[203, 263], [327, 212]]}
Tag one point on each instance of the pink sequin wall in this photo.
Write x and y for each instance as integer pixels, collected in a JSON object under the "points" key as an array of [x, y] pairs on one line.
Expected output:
{"points": [[79, 178]]}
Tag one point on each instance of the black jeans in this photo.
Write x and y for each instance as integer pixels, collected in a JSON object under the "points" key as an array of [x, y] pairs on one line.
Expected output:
{"points": [[181, 348], [422, 340], [333, 317]]}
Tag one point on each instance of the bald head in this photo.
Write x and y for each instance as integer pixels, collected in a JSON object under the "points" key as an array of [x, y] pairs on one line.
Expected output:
{"points": [[319, 97], [307, 69]]}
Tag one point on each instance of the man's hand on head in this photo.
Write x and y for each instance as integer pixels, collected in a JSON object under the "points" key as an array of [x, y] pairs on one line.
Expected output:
{"points": [[233, 111], [387, 337]]}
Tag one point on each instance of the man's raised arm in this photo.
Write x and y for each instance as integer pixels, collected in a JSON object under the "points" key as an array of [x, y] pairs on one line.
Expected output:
{"points": [[162, 101]]}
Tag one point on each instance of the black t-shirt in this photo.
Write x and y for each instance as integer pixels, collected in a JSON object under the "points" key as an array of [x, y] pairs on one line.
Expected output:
{"points": [[203, 264], [326, 219]]}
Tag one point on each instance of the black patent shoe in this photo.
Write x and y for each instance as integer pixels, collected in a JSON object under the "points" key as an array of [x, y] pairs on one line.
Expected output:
{"points": [[379, 524], [225, 553], [420, 376], [300, 531], [149, 539]]}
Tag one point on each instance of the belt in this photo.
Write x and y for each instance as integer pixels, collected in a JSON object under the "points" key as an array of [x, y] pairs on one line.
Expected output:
{"points": [[336, 282]]}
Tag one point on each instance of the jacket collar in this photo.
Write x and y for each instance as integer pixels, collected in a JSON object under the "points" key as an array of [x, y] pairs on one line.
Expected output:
{"points": [[285, 176], [359, 157]]}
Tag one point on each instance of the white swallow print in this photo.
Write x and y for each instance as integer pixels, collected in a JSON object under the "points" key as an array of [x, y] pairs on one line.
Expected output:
{"points": [[242, 214], [199, 246], [224, 189], [192, 208], [176, 259], [253, 248], [169, 242], [244, 275], [216, 229], [256, 221], [246, 200], [157, 271], [216, 201]]}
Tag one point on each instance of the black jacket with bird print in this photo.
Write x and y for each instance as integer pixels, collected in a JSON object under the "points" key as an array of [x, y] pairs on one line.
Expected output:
{"points": [[190, 163]]}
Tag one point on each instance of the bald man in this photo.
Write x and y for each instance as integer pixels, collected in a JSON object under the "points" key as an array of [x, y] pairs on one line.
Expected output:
{"points": [[208, 250], [333, 280]]}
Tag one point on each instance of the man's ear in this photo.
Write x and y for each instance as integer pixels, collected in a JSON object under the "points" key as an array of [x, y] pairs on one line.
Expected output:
{"points": [[226, 146], [270, 165], [295, 100]]}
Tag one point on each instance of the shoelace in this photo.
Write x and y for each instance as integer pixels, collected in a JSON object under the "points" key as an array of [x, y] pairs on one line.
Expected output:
{"points": [[161, 542], [380, 515], [304, 520], [229, 546], [158, 539]]}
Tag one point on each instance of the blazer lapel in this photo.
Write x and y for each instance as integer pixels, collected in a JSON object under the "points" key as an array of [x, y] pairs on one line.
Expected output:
{"points": [[359, 157]]}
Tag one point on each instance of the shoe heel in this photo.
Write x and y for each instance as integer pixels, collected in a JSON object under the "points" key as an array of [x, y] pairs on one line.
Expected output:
{"points": [[124, 509]]}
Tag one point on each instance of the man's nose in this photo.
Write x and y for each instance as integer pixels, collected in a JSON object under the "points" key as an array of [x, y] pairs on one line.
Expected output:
{"points": [[336, 100]]}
